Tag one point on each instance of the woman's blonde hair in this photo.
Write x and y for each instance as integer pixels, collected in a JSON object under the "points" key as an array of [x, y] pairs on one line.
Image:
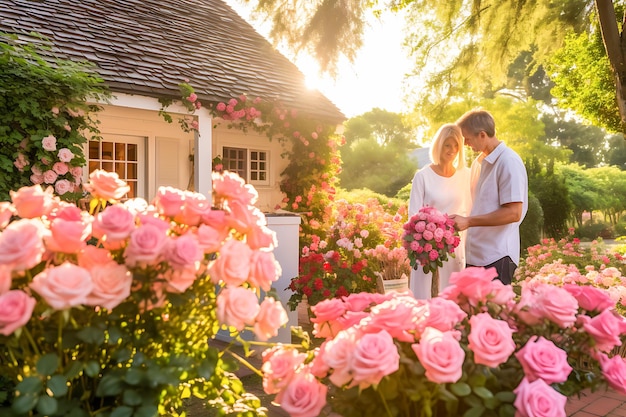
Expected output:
{"points": [[448, 130]]}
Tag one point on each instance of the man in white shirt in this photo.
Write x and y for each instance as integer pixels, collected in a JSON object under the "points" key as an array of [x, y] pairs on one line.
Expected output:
{"points": [[499, 185]]}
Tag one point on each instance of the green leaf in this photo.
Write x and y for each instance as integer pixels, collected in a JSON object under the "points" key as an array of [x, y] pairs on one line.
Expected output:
{"points": [[109, 385], [475, 412], [30, 385], [24, 403], [91, 335], [58, 385], [477, 380], [131, 397], [507, 410], [506, 396], [48, 364], [461, 389], [122, 411], [74, 370], [482, 392], [47, 405], [147, 411], [92, 368], [133, 376]]}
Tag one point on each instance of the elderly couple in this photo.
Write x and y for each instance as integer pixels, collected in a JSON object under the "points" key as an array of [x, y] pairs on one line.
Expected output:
{"points": [[487, 202]]}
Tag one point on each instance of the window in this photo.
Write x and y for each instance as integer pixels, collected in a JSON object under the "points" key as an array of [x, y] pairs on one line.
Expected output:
{"points": [[251, 165], [123, 155]]}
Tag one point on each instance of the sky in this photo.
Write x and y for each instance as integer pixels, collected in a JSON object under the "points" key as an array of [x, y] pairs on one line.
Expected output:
{"points": [[373, 80]]}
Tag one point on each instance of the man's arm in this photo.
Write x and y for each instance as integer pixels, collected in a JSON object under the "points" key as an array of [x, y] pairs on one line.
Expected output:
{"points": [[507, 213]]}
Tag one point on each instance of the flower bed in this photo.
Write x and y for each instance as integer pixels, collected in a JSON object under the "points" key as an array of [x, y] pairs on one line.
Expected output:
{"points": [[477, 350], [110, 312]]}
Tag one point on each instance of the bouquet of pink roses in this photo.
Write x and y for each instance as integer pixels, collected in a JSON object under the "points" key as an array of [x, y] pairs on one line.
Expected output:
{"points": [[429, 237], [476, 350]]}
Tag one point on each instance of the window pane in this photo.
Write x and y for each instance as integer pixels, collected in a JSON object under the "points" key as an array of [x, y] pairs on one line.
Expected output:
{"points": [[107, 150], [120, 151], [94, 149]]}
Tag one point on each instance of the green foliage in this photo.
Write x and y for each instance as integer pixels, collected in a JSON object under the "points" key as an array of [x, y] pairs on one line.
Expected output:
{"points": [[39, 98], [592, 230], [532, 226]]}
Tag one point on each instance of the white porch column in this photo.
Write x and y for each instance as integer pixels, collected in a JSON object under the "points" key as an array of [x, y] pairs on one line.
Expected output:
{"points": [[287, 253], [203, 156]]}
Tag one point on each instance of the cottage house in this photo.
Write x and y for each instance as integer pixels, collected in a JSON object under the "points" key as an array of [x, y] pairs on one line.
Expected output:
{"points": [[144, 49]]}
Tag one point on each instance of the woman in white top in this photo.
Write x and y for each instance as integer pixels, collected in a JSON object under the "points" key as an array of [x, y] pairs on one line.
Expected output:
{"points": [[445, 185]]}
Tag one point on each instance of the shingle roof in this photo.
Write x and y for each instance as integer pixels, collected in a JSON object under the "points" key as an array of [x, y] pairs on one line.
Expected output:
{"points": [[148, 47]]}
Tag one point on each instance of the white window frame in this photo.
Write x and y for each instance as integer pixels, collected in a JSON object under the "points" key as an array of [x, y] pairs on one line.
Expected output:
{"points": [[140, 185], [248, 164]]}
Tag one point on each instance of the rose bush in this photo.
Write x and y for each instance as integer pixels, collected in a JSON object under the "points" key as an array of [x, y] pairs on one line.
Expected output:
{"points": [[479, 349], [112, 312]]}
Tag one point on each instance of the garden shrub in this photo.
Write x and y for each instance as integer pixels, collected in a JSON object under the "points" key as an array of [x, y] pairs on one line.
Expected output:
{"points": [[593, 230]]}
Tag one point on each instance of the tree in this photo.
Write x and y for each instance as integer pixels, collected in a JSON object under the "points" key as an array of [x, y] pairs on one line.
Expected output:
{"points": [[586, 142], [459, 45], [584, 190], [375, 142]]}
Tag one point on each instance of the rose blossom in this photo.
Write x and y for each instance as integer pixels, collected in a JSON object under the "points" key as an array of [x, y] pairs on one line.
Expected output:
{"points": [[30, 202], [375, 356], [490, 339], [5, 278], [232, 187], [443, 314], [183, 251], [441, 355], [113, 226], [63, 286], [279, 365], [590, 298], [336, 355], [63, 186], [271, 317], [60, 168], [49, 177], [538, 399], [211, 238], [21, 244], [261, 237], [541, 358], [111, 285], [398, 316], [106, 185], [475, 283], [195, 205], [6, 212], [304, 396], [237, 306], [178, 280], [169, 201], [550, 302], [605, 329], [68, 236], [233, 263], [264, 270], [65, 155], [146, 244], [614, 371], [16, 308], [92, 256], [49, 143]]}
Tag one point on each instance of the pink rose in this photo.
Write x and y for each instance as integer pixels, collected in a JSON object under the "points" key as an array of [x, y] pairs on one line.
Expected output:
{"points": [[549, 302], [541, 358], [194, 207], [590, 298], [271, 317], [279, 366], [261, 237], [31, 202], [113, 226], [443, 314], [236, 307], [538, 399], [146, 245], [605, 328], [473, 283], [6, 212], [63, 286], [613, 370], [211, 238], [491, 340], [169, 201], [399, 316], [183, 251], [21, 244], [243, 217], [217, 219], [336, 356], [49, 177], [233, 263], [92, 256], [60, 168], [106, 185], [326, 317], [441, 355], [49, 143], [230, 186], [65, 155], [16, 308], [111, 285], [264, 270], [375, 356], [361, 300], [63, 186], [305, 396], [179, 280], [68, 236]]}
